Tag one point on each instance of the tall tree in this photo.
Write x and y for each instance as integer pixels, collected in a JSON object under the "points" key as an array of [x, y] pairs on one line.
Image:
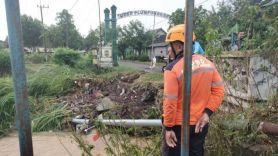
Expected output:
{"points": [[200, 24], [177, 17], [200, 21], [32, 31], [91, 40], [53, 37], [135, 36], [64, 34]]}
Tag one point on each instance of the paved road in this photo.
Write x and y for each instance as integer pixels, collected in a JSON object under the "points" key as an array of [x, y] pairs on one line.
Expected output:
{"points": [[140, 66]]}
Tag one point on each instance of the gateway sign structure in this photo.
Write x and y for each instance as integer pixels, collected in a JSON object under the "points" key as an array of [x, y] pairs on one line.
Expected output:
{"points": [[143, 13], [112, 21]]}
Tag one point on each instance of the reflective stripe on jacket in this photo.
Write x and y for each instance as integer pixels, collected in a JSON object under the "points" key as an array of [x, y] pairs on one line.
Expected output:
{"points": [[207, 90]]}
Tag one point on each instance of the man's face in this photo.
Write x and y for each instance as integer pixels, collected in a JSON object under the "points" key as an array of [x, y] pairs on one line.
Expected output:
{"points": [[170, 53], [178, 46]]}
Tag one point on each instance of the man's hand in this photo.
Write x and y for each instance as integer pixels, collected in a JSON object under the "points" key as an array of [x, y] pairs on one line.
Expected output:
{"points": [[204, 119], [171, 138]]}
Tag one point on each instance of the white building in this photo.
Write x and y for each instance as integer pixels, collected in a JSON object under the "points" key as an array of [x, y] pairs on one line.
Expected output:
{"points": [[159, 46]]}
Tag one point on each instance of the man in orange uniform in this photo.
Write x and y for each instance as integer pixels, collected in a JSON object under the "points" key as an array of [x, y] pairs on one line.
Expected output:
{"points": [[207, 91]]}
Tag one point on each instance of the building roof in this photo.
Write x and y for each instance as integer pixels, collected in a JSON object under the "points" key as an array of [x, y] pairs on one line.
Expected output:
{"points": [[159, 41]]}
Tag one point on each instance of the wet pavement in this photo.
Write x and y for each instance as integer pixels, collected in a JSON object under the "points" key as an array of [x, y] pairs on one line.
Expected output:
{"points": [[140, 66]]}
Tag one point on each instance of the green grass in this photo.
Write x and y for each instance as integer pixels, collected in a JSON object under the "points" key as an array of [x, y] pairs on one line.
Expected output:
{"points": [[36, 58], [159, 64], [156, 79], [152, 77], [32, 68], [7, 108], [51, 119], [115, 71], [51, 81]]}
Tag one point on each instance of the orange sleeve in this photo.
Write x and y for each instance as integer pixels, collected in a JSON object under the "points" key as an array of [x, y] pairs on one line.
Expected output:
{"points": [[170, 98], [217, 92]]}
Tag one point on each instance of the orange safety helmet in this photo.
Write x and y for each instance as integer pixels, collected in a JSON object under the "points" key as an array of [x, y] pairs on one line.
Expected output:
{"points": [[176, 33]]}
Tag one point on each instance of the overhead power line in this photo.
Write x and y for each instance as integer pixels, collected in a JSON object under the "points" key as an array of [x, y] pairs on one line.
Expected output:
{"points": [[202, 2], [41, 8], [164, 20], [73, 5]]}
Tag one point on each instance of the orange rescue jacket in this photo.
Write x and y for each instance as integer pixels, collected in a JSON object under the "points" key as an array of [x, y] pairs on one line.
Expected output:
{"points": [[207, 90]]}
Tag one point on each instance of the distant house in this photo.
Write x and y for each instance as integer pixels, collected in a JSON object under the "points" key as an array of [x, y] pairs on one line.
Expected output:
{"points": [[3, 44], [159, 46]]}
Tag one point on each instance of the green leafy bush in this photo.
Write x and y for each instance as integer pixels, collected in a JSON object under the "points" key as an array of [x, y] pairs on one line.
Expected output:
{"points": [[35, 58], [139, 58], [65, 56], [143, 58], [84, 62], [131, 57], [5, 63]]}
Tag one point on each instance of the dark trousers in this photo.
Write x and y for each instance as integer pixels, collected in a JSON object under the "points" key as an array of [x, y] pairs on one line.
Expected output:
{"points": [[196, 143]]}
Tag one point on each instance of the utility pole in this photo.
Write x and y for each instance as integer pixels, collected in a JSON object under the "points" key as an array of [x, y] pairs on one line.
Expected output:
{"points": [[153, 36], [43, 7], [67, 31], [100, 35], [187, 67], [23, 122]]}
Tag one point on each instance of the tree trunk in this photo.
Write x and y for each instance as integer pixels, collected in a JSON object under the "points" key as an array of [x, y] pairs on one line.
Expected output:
{"points": [[269, 128]]}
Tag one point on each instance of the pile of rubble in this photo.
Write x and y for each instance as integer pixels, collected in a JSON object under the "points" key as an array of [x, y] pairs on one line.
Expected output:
{"points": [[120, 95]]}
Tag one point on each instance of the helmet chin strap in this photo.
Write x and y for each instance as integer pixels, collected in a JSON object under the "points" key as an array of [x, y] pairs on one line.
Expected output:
{"points": [[175, 53], [173, 50]]}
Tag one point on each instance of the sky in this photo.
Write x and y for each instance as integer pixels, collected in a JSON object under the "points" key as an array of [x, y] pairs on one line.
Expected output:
{"points": [[85, 12]]}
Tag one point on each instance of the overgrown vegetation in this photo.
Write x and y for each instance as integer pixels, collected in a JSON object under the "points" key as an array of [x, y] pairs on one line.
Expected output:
{"points": [[51, 81], [237, 133], [35, 58], [253, 24], [119, 143], [84, 146], [65, 56], [138, 58], [52, 118], [231, 132], [5, 62], [7, 107]]}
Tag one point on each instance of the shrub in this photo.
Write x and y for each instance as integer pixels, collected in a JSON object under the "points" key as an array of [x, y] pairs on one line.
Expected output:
{"points": [[35, 58], [84, 62], [65, 56], [5, 63], [139, 58], [131, 57], [143, 58]]}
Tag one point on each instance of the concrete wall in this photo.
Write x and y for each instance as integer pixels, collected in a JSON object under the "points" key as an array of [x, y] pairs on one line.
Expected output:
{"points": [[247, 77], [263, 80]]}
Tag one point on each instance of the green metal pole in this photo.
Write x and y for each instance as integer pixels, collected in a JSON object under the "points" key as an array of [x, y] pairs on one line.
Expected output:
{"points": [[19, 77], [114, 36], [107, 21], [188, 21]]}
